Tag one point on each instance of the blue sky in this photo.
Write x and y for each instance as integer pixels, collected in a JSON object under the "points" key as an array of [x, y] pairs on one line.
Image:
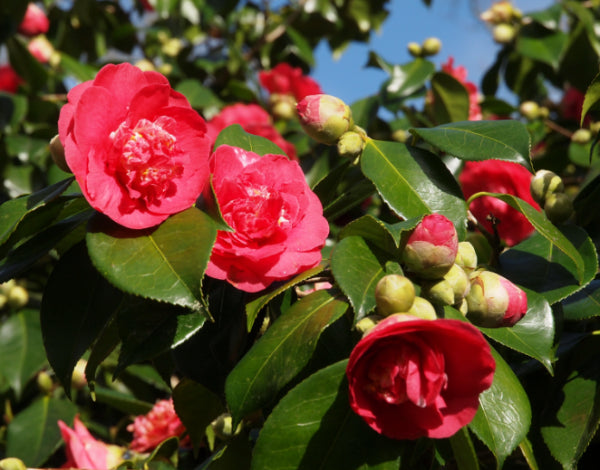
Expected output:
{"points": [[454, 22]]}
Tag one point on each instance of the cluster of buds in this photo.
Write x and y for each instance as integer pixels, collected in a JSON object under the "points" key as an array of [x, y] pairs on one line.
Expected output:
{"points": [[441, 271], [548, 190], [328, 120], [503, 16], [430, 46], [13, 296], [531, 111]]}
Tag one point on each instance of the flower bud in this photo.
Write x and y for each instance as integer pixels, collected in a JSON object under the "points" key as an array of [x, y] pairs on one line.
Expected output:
{"points": [[12, 463], [283, 106], [431, 46], [351, 144], [495, 301], [463, 307], [324, 117], [459, 281], [581, 136], [558, 208], [17, 297], [3, 301], [501, 12], [544, 183], [529, 110], [394, 293], [400, 135], [432, 247], [414, 49], [44, 382], [422, 308], [58, 154], [466, 257], [438, 292], [366, 324], [7, 286], [503, 33]]}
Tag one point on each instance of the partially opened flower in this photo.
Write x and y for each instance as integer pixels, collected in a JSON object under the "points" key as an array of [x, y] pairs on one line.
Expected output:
{"points": [[136, 147], [159, 424], [277, 221]]}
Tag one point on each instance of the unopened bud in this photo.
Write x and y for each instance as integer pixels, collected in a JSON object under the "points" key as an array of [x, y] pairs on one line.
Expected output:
{"points": [[3, 301], [400, 135], [45, 383], [172, 47], [12, 463], [438, 292], [394, 293], [581, 136], [529, 110], [351, 144], [145, 65], [544, 183], [366, 324], [503, 33], [431, 248], [431, 46], [463, 307], [414, 49], [558, 208], [422, 308], [57, 151], [495, 301], [459, 281], [466, 257], [283, 106], [325, 118], [78, 379], [501, 12], [17, 297]]}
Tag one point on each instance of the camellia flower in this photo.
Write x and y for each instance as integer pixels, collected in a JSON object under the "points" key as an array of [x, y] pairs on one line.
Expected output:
{"points": [[277, 221], [284, 79], [411, 378], [84, 451], [460, 73], [159, 424], [9, 80], [572, 104], [34, 22], [497, 176], [136, 147], [254, 120]]}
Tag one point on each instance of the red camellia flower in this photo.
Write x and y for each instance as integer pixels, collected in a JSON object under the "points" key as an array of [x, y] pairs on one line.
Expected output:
{"points": [[572, 104], [287, 80], [498, 176], [159, 424], [460, 73], [84, 451], [136, 147], [9, 80], [254, 120], [411, 378], [34, 22], [277, 221]]}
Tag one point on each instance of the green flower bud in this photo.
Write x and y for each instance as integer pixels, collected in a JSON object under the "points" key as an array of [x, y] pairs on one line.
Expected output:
{"points": [[57, 151], [283, 106], [503, 33], [3, 301], [438, 292], [7, 286], [459, 281], [351, 144], [543, 184], [12, 463], [422, 308], [581, 136], [394, 293], [324, 117], [414, 49], [431, 46], [366, 324], [530, 110], [400, 135], [17, 297], [466, 257], [558, 208], [45, 383], [463, 307]]}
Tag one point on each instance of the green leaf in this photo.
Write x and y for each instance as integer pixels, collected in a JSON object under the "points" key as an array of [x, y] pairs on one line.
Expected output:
{"points": [[122, 401], [414, 182], [80, 70], [540, 264], [26, 66], [584, 304], [408, 78], [572, 414], [235, 455], [591, 101], [533, 335], [22, 352], [547, 230], [199, 96], [504, 415], [314, 428], [357, 269], [197, 407], [538, 43], [463, 450], [77, 304], [236, 136], [33, 435], [480, 140], [166, 263], [280, 354], [386, 236], [450, 99]]}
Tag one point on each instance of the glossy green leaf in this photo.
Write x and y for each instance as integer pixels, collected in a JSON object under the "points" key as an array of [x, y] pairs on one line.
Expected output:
{"points": [[480, 140], [122, 401], [237, 137], [33, 435], [464, 451], [549, 18], [572, 415], [357, 268], [314, 428], [22, 352], [546, 229], [591, 101], [533, 335], [450, 99], [236, 454], [165, 264], [408, 78], [413, 182], [77, 304], [382, 234], [199, 96], [540, 44], [584, 304], [540, 264], [504, 415], [281, 353], [77, 69]]}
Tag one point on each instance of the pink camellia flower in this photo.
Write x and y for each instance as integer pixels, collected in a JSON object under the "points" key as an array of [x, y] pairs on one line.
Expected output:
{"points": [[497, 176], [410, 378], [494, 301], [460, 73], [40, 48], [277, 221], [284, 79], [136, 147], [254, 120], [431, 248], [84, 451], [9, 80], [34, 22], [159, 424]]}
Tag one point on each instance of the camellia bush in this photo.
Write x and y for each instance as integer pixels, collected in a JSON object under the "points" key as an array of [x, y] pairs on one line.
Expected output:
{"points": [[209, 262]]}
